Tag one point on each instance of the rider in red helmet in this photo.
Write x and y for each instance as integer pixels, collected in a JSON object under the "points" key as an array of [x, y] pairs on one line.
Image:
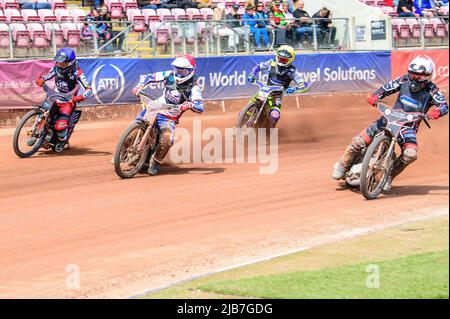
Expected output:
{"points": [[181, 88]]}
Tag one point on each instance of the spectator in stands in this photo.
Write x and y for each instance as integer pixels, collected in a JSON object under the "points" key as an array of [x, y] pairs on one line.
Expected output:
{"points": [[184, 4], [283, 29], [233, 29], [150, 4], [406, 8], [256, 26], [26, 4], [287, 12], [327, 32], [425, 8], [303, 23], [109, 32], [204, 4]]}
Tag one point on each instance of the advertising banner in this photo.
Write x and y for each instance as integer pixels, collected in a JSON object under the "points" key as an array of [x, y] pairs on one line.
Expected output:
{"points": [[112, 79], [17, 83], [401, 60]]}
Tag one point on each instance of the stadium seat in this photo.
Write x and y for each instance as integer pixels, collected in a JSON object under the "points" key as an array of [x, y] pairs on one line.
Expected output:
{"points": [[2, 16], [59, 35], [180, 14], [389, 11], [30, 15], [165, 15], [440, 27], [21, 36], [46, 15], [11, 4], [137, 16], [115, 10], [403, 28], [13, 15], [71, 34], [56, 4], [150, 15], [207, 13], [194, 14], [129, 4], [414, 26], [38, 35], [63, 15], [4, 36], [78, 14]]}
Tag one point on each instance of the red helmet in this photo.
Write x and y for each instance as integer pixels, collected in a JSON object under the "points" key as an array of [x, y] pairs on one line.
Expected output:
{"points": [[184, 68]]}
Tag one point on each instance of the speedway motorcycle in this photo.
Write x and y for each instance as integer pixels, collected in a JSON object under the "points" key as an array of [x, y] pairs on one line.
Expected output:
{"points": [[256, 113], [139, 141], [36, 128], [373, 167]]}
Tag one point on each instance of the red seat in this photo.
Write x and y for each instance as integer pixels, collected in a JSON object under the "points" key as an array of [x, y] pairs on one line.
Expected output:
{"points": [[63, 15], [13, 15], [59, 35], [4, 36], [46, 15], [72, 34], [165, 15], [415, 29], [21, 36], [150, 15], [136, 16], [56, 4], [194, 14], [11, 4], [38, 35], [30, 15]]}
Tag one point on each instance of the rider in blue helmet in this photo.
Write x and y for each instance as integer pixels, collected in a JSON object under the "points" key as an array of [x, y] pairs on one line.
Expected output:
{"points": [[69, 78]]}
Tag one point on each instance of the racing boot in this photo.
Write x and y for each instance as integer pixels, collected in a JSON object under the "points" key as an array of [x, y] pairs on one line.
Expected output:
{"points": [[59, 147], [338, 171], [153, 168]]}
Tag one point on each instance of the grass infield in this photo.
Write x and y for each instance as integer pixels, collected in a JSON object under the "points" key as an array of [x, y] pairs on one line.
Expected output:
{"points": [[406, 261]]}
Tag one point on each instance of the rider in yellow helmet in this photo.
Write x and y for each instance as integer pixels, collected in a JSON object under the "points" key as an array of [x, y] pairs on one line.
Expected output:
{"points": [[282, 72]]}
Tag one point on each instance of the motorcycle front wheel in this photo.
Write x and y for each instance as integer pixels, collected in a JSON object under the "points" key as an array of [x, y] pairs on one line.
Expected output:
{"points": [[29, 135], [131, 152], [373, 175]]}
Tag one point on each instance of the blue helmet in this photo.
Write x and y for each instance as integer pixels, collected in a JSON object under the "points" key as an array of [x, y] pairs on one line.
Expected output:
{"points": [[66, 62]]}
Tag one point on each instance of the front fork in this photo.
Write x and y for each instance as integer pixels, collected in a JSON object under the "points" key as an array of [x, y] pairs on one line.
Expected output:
{"points": [[387, 163]]}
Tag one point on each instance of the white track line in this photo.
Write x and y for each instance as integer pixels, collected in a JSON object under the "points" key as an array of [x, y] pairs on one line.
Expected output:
{"points": [[331, 239]]}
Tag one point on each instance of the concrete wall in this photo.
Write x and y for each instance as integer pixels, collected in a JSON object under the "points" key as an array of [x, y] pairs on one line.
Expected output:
{"points": [[360, 15]]}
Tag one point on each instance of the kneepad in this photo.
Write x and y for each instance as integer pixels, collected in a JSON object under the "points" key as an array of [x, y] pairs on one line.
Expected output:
{"points": [[274, 115], [358, 143], [409, 155], [167, 138]]}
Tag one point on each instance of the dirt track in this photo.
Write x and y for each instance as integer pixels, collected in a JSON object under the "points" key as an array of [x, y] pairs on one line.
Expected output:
{"points": [[130, 235]]}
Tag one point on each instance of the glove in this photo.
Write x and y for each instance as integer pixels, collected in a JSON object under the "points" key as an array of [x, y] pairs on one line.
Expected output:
{"points": [[290, 90], [137, 90], [373, 100], [77, 99], [185, 106], [434, 115], [40, 82], [251, 78]]}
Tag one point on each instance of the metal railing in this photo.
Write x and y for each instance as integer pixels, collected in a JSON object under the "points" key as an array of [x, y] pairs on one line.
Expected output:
{"points": [[420, 32], [167, 38]]}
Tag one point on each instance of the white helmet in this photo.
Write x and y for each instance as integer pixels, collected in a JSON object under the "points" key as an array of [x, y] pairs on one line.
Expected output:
{"points": [[420, 71], [184, 68]]}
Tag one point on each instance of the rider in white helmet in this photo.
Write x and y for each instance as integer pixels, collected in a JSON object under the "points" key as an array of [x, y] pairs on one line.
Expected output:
{"points": [[180, 89], [417, 93]]}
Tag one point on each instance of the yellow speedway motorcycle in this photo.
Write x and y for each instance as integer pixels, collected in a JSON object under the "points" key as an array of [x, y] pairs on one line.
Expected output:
{"points": [[379, 157], [139, 141], [256, 113]]}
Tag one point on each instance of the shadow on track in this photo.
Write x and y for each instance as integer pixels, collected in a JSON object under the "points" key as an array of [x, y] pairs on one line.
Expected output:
{"points": [[76, 151]]}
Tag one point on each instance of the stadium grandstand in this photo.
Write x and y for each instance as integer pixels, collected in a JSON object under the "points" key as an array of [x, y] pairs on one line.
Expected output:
{"points": [[130, 28]]}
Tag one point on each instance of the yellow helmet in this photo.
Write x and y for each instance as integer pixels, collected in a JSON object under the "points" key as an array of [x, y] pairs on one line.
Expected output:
{"points": [[285, 55]]}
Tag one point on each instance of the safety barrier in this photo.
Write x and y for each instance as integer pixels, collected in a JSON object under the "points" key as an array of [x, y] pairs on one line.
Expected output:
{"points": [[219, 77]]}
